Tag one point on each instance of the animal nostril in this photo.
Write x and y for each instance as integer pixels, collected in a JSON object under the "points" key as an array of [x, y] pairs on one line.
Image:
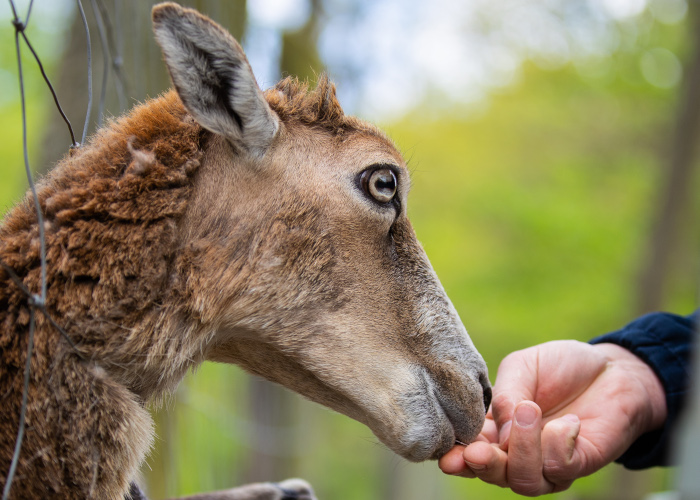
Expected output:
{"points": [[484, 380], [487, 398]]}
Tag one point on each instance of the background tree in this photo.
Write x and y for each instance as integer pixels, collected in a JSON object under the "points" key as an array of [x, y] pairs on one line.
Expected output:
{"points": [[675, 216]]}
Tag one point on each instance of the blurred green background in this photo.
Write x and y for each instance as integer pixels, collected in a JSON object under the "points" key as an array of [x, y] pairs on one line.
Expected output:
{"points": [[552, 152]]}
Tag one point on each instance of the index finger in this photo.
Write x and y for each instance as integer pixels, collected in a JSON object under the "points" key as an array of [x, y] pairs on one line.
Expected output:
{"points": [[452, 463], [489, 432]]}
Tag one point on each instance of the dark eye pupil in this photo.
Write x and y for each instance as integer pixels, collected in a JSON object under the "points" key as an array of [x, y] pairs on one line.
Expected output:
{"points": [[385, 183], [382, 185]]}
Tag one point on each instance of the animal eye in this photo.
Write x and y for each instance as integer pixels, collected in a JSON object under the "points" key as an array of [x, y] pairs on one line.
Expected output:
{"points": [[380, 184]]}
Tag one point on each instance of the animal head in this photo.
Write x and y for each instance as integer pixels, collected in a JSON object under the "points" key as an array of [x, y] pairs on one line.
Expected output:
{"points": [[299, 257]]}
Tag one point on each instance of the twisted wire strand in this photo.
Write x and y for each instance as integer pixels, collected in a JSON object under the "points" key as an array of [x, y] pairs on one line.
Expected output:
{"points": [[19, 28], [29, 12], [89, 70], [114, 49], [105, 61], [41, 307], [23, 411], [53, 92]]}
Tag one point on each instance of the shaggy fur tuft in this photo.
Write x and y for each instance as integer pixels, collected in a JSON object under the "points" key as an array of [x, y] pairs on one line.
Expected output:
{"points": [[294, 101], [111, 209]]}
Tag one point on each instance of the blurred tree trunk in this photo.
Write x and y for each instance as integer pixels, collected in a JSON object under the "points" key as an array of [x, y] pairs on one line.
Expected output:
{"points": [[132, 43], [300, 48], [672, 217], [675, 196], [272, 451]]}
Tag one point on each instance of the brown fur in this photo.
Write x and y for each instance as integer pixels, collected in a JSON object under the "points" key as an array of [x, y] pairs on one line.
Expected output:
{"points": [[111, 213]]}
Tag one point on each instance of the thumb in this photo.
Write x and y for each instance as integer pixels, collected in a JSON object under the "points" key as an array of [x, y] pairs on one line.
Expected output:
{"points": [[561, 463]]}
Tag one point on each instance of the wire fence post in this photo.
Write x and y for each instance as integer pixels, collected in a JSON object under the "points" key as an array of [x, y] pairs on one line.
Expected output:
{"points": [[89, 71], [688, 435]]}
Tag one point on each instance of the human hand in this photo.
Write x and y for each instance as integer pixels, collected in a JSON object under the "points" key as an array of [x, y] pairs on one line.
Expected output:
{"points": [[560, 411]]}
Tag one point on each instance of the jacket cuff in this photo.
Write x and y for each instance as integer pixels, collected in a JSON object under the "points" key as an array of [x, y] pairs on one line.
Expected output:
{"points": [[664, 342]]}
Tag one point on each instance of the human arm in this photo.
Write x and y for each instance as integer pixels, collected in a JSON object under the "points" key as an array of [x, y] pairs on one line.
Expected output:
{"points": [[578, 408], [616, 399]]}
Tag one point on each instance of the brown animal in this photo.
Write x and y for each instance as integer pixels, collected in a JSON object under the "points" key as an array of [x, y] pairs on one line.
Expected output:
{"points": [[218, 222]]}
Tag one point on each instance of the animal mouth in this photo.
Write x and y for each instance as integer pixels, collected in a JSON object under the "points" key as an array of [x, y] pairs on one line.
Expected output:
{"points": [[444, 427], [452, 414], [449, 438]]}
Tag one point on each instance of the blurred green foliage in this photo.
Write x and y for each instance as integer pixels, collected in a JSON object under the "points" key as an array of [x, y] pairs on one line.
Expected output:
{"points": [[534, 210], [535, 214], [12, 176]]}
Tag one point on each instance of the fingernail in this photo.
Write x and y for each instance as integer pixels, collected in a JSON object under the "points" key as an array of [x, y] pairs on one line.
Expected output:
{"points": [[525, 415], [571, 418]]}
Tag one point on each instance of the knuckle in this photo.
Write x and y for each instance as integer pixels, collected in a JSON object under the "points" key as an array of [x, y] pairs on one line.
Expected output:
{"points": [[560, 472], [502, 407], [467, 474], [489, 474], [496, 481], [479, 469], [500, 399], [510, 357], [558, 488], [529, 483]]}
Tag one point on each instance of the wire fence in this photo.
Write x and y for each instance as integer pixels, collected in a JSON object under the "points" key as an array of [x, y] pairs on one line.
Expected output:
{"points": [[35, 301]]}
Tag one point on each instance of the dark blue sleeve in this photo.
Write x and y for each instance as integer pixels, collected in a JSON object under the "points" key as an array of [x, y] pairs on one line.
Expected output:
{"points": [[664, 342]]}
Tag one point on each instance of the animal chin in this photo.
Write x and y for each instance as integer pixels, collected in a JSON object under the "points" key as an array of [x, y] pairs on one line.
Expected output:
{"points": [[427, 442], [428, 433], [433, 423]]}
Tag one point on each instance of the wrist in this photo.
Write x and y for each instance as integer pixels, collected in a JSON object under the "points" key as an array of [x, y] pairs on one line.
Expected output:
{"points": [[648, 410]]}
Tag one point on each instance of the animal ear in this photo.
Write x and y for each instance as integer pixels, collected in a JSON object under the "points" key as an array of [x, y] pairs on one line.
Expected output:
{"points": [[213, 78]]}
